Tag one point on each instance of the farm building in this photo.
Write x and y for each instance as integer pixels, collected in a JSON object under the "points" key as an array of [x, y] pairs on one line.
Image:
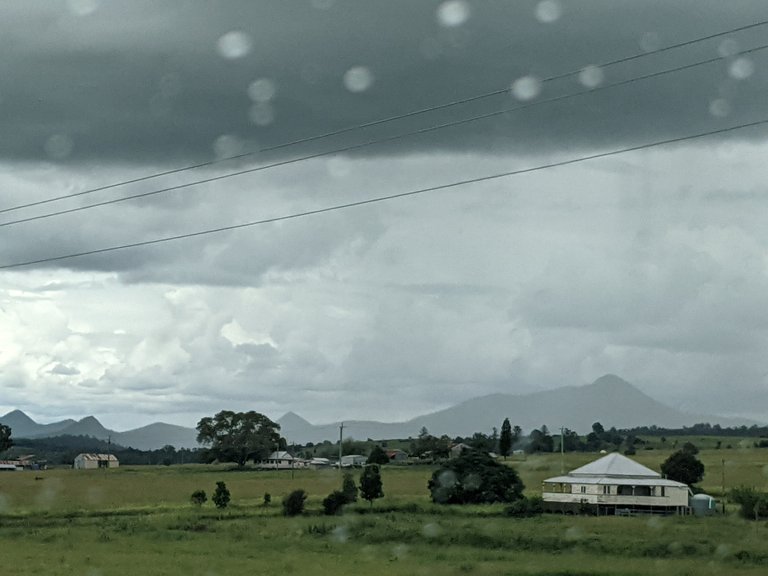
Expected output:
{"points": [[282, 460], [457, 449], [396, 455], [615, 484], [94, 461], [353, 461]]}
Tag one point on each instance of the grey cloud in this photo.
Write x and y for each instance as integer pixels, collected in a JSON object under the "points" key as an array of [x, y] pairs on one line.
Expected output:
{"points": [[63, 370]]}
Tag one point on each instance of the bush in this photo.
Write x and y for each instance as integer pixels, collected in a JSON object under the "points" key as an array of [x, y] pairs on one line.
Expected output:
{"points": [[370, 483], [683, 466], [198, 497], [526, 507], [349, 488], [475, 478], [293, 504], [267, 499], [334, 502], [754, 504], [377, 456], [221, 496]]}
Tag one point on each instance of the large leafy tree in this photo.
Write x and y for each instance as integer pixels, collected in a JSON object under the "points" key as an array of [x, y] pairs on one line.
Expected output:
{"points": [[239, 436], [682, 466], [475, 478], [505, 440], [5, 438]]}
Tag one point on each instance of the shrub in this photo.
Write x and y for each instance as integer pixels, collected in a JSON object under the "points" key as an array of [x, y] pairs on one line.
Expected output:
{"points": [[267, 499], [334, 502], [293, 504], [377, 456], [370, 483], [525, 507], [475, 478], [754, 504], [683, 466], [198, 497], [221, 495], [349, 488]]}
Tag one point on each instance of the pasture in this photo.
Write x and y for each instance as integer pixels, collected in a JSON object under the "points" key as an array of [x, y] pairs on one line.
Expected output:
{"points": [[139, 520]]}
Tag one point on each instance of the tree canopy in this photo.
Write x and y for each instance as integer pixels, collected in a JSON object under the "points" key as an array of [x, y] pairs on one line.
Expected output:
{"points": [[239, 436], [475, 478], [5, 438], [505, 440], [378, 456], [682, 466], [370, 483]]}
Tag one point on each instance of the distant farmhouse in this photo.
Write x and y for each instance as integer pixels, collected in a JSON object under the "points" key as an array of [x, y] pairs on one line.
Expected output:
{"points": [[396, 455], [615, 485], [353, 461], [282, 460], [95, 461]]}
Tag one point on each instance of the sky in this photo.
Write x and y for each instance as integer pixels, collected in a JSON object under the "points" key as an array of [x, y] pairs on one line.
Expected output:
{"points": [[651, 264]]}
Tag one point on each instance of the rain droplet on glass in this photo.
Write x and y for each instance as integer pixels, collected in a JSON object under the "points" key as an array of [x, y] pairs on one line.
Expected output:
{"points": [[741, 68], [650, 41], [720, 108], [431, 48], [59, 146], [227, 145], [82, 7], [591, 76], [728, 47], [453, 13], [262, 90], [526, 88], [358, 79], [548, 11], [234, 44], [261, 113]]}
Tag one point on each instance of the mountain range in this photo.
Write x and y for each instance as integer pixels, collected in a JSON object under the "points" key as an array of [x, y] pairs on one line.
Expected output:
{"points": [[608, 400]]}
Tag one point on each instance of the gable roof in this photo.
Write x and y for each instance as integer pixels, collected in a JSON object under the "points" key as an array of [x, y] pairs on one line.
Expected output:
{"points": [[614, 465]]}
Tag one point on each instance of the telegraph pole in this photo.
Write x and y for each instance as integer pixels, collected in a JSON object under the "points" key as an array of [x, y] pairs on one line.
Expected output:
{"points": [[562, 450], [341, 432]]}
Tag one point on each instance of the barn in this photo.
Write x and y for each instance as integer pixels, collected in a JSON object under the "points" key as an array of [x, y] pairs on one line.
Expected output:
{"points": [[94, 461], [615, 485]]}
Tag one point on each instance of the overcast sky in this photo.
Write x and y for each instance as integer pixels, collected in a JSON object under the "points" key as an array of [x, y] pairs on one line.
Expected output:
{"points": [[651, 264]]}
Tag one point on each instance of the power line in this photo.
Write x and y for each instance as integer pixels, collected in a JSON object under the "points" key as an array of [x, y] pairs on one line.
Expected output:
{"points": [[359, 146], [380, 121], [390, 196]]}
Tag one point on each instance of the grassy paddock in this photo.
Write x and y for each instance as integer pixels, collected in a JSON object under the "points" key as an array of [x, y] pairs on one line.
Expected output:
{"points": [[139, 519]]}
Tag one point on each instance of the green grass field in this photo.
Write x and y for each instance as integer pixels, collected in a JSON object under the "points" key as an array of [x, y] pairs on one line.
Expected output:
{"points": [[139, 520]]}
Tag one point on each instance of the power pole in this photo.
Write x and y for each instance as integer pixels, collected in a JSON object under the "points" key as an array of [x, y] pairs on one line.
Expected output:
{"points": [[341, 432], [562, 450]]}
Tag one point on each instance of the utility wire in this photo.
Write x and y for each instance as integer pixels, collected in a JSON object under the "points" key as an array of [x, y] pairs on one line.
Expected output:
{"points": [[390, 196], [372, 142], [380, 121]]}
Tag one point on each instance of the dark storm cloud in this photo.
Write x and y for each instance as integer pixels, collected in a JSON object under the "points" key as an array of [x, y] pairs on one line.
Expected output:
{"points": [[142, 80]]}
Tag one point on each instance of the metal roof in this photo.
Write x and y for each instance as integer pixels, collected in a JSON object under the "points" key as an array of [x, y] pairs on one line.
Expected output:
{"points": [[615, 481], [614, 465], [110, 457]]}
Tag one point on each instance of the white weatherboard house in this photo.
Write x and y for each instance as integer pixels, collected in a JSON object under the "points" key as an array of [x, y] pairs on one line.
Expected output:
{"points": [[93, 461], [282, 460], [615, 484]]}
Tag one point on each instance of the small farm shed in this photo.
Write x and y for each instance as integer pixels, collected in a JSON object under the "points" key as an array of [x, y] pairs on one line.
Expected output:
{"points": [[353, 461], [615, 484], [396, 455], [94, 461]]}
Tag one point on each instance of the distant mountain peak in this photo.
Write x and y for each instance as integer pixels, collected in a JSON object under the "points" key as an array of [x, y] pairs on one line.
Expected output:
{"points": [[611, 380], [292, 419], [18, 416]]}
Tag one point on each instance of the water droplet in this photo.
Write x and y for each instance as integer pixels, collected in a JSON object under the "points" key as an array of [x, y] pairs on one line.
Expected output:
{"points": [[728, 47], [358, 79], [453, 13], [262, 114], [548, 11], [59, 146], [227, 145], [262, 90], [170, 85], [741, 68], [720, 108], [234, 44], [431, 530], [82, 7], [591, 76], [574, 533], [765, 470], [650, 41], [338, 167], [431, 48], [722, 550], [340, 534], [526, 88], [654, 523]]}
